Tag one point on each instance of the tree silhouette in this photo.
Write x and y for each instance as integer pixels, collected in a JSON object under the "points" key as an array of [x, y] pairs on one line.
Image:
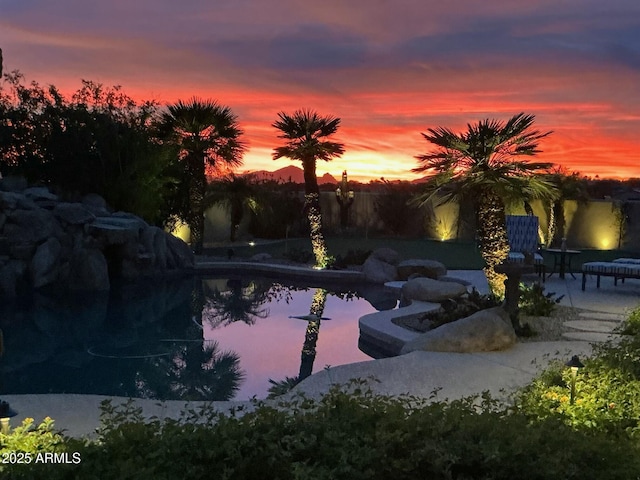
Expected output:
{"points": [[305, 134], [207, 135]]}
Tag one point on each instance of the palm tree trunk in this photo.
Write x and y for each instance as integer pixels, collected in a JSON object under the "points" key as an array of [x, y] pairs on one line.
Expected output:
{"points": [[314, 214], [494, 244], [551, 227], [558, 207], [237, 212], [197, 187]]}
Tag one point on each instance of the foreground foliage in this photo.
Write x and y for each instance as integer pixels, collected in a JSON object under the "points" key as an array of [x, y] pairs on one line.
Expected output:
{"points": [[607, 395], [349, 433]]}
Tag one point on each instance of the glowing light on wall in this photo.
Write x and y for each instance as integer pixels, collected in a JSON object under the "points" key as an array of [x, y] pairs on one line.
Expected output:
{"points": [[606, 243], [182, 231]]}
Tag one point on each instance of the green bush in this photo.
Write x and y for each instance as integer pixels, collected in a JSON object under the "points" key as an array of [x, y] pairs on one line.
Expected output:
{"points": [[632, 325], [607, 395], [533, 300], [352, 257], [350, 433], [27, 443]]}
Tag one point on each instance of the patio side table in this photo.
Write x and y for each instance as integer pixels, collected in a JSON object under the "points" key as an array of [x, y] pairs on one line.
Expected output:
{"points": [[562, 261]]}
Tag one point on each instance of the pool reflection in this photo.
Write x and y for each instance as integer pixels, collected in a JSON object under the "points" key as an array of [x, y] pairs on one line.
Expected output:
{"points": [[212, 338]]}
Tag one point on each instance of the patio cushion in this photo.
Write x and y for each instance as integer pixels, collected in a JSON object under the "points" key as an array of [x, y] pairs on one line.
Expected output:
{"points": [[627, 260], [612, 268], [518, 257]]}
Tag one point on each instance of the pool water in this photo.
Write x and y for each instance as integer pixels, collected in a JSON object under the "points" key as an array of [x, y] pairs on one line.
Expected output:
{"points": [[193, 339]]}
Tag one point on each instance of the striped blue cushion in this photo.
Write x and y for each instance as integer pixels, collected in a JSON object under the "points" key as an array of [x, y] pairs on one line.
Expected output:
{"points": [[627, 260], [612, 268]]}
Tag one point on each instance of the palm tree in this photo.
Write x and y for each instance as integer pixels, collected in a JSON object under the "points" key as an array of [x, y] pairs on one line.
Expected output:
{"points": [[569, 187], [207, 135], [235, 193], [305, 134], [483, 162]]}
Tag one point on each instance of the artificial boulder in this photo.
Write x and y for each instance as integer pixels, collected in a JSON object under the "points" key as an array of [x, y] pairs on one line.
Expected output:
{"points": [[421, 267], [44, 263], [386, 255], [429, 290], [89, 271], [79, 246], [73, 213], [377, 271], [484, 331], [380, 266]]}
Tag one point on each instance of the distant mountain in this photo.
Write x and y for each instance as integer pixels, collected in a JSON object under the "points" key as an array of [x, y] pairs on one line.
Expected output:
{"points": [[290, 173]]}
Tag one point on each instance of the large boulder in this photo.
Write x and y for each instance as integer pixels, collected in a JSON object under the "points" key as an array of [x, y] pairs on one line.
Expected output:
{"points": [[35, 225], [484, 331], [179, 254], [377, 271], [95, 204], [46, 241], [386, 255], [422, 267], [44, 263], [11, 274], [73, 213], [429, 290], [89, 270], [380, 266]]}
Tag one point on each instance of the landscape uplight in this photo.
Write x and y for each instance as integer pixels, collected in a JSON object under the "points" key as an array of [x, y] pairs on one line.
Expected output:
{"points": [[575, 364], [6, 412]]}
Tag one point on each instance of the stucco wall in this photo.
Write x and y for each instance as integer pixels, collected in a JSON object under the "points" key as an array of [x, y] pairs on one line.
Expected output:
{"points": [[589, 225]]}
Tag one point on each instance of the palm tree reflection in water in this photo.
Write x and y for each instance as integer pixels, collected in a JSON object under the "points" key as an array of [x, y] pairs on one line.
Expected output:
{"points": [[279, 387], [195, 370], [311, 335]]}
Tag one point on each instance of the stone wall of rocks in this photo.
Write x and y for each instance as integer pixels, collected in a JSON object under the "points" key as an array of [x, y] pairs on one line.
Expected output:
{"points": [[47, 242]]}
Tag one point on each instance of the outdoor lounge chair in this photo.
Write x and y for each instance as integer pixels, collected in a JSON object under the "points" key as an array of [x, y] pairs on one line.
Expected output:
{"points": [[618, 269], [522, 232]]}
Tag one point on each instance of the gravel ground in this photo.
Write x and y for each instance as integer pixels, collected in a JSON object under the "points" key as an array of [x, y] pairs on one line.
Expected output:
{"points": [[551, 328]]}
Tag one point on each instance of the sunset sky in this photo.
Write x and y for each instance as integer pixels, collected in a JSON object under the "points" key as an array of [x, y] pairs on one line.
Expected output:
{"points": [[389, 69]]}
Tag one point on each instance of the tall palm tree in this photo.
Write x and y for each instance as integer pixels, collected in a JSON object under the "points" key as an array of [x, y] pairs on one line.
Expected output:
{"points": [[305, 133], [207, 135], [236, 193], [569, 187], [483, 162]]}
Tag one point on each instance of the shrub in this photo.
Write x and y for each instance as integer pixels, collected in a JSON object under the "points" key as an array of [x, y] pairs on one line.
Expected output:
{"points": [[533, 300], [349, 433], [607, 396], [632, 325], [352, 257]]}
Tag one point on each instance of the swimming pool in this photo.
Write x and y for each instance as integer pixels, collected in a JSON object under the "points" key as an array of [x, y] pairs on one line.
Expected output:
{"points": [[211, 338]]}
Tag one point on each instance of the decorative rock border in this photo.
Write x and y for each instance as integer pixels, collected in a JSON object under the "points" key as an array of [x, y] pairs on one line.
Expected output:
{"points": [[379, 330]]}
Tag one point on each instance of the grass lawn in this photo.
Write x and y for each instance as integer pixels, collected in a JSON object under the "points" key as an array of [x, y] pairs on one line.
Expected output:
{"points": [[455, 255]]}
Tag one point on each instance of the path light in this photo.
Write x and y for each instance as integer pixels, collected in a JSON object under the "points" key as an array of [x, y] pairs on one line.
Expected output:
{"points": [[574, 364], [6, 412]]}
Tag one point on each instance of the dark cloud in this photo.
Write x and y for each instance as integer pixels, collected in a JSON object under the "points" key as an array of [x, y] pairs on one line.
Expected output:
{"points": [[308, 47]]}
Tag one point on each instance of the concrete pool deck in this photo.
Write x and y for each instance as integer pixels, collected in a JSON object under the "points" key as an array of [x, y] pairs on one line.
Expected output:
{"points": [[453, 375]]}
